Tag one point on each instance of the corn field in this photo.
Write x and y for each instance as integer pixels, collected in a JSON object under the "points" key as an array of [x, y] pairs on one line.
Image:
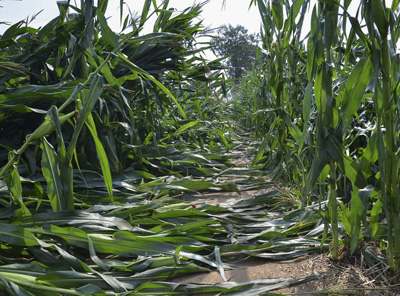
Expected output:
{"points": [[104, 134]]}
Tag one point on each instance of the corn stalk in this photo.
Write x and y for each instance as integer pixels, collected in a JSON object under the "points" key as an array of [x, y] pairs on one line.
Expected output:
{"points": [[386, 100]]}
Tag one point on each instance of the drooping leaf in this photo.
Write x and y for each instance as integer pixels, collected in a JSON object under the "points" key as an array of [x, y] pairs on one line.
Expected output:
{"points": [[355, 88], [95, 90], [106, 31], [16, 235], [101, 154], [13, 181], [51, 171]]}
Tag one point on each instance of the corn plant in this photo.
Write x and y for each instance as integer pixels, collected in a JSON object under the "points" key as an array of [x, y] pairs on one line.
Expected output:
{"points": [[343, 145], [111, 86], [282, 77], [344, 136], [381, 47], [117, 122], [103, 132]]}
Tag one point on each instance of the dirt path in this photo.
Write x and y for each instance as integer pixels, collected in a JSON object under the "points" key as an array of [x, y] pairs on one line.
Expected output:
{"points": [[330, 278]]}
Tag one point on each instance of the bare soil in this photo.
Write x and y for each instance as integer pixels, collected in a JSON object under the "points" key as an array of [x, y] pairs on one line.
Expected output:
{"points": [[349, 276], [334, 278]]}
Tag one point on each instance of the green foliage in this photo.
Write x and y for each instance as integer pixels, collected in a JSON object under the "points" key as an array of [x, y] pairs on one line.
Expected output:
{"points": [[119, 98], [106, 136], [324, 111], [100, 132], [239, 47]]}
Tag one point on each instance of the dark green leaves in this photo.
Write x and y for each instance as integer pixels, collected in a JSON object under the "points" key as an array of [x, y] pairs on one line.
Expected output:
{"points": [[95, 90], [106, 31], [16, 235], [57, 187], [277, 12], [354, 90]]}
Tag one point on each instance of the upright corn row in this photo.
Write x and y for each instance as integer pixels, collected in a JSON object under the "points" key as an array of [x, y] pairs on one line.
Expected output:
{"points": [[365, 69], [324, 37], [279, 100], [385, 104]]}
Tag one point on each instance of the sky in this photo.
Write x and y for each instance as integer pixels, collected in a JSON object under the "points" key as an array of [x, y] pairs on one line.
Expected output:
{"points": [[214, 13]]}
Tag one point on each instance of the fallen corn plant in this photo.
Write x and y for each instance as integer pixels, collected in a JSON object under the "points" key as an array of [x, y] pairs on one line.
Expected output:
{"points": [[96, 203]]}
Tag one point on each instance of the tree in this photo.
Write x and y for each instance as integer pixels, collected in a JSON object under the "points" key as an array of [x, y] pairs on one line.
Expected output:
{"points": [[239, 46]]}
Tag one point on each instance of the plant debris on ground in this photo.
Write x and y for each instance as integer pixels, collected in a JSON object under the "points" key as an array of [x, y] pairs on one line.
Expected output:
{"points": [[131, 166]]}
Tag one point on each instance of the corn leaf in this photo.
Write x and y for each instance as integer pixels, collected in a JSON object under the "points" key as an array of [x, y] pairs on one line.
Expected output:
{"points": [[51, 171], [16, 235], [106, 31], [95, 90], [101, 154]]}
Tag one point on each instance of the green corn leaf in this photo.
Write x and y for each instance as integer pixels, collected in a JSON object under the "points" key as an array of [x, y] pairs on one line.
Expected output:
{"points": [[187, 185], [356, 212], [317, 167], [137, 71], [277, 12], [123, 243], [186, 126], [314, 22], [344, 216], [70, 279], [22, 108], [51, 171], [355, 88], [263, 147], [346, 164], [332, 2], [91, 289], [13, 181], [13, 289], [307, 103], [54, 118], [319, 91], [375, 213], [223, 139], [106, 31], [311, 64], [70, 235], [163, 17], [113, 282], [331, 16], [395, 4], [365, 196], [78, 219], [101, 154], [95, 90], [17, 235], [145, 12], [306, 115], [369, 156], [47, 127], [297, 4], [65, 166], [105, 70], [30, 283], [357, 28], [380, 17], [324, 174]]}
